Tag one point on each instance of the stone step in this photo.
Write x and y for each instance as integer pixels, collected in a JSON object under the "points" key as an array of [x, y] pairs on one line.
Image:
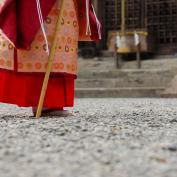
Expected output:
{"points": [[155, 81], [131, 92], [126, 73]]}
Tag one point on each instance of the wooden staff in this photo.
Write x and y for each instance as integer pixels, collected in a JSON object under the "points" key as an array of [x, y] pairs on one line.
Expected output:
{"points": [[50, 60], [123, 16]]}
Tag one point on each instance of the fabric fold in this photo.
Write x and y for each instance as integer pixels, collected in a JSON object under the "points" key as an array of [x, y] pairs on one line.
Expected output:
{"points": [[20, 22]]}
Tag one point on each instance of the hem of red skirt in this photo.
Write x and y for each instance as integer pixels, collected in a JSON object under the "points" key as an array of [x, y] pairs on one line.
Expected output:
{"points": [[23, 89]]}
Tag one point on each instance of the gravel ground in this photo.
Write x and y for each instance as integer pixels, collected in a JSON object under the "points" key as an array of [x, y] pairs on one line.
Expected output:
{"points": [[103, 138]]}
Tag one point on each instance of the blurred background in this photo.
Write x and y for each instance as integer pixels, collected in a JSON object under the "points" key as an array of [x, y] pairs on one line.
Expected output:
{"points": [[137, 56]]}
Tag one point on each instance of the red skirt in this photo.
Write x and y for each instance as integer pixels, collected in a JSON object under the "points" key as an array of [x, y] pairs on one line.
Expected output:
{"points": [[23, 89]]}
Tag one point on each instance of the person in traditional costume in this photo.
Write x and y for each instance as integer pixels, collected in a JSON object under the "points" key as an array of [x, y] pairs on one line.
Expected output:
{"points": [[26, 35]]}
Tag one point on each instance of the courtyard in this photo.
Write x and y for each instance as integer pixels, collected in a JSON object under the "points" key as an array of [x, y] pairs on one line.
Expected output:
{"points": [[102, 137]]}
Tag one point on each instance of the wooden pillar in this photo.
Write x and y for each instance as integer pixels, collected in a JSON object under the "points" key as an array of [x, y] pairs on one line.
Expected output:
{"points": [[138, 56], [123, 9]]}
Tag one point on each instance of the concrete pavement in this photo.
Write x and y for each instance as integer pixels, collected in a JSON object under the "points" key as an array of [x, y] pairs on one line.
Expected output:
{"points": [[103, 138]]}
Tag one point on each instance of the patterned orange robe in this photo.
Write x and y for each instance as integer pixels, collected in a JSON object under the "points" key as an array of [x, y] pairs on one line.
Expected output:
{"points": [[22, 71]]}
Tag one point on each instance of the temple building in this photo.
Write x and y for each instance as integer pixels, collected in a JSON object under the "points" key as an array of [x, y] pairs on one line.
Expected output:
{"points": [[157, 17]]}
